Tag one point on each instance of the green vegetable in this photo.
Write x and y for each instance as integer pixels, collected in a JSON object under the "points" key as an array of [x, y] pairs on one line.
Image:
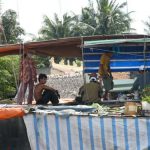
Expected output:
{"points": [[146, 94], [146, 98]]}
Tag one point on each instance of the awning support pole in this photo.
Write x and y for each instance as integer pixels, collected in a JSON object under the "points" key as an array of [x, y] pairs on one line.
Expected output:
{"points": [[144, 63]]}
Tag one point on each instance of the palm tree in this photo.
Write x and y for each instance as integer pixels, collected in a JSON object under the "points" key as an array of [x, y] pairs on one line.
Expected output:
{"points": [[107, 17], [58, 28], [11, 27], [88, 20]]}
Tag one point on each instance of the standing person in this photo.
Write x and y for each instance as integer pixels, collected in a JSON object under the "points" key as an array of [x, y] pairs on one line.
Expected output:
{"points": [[105, 73], [43, 93], [27, 75], [143, 78]]}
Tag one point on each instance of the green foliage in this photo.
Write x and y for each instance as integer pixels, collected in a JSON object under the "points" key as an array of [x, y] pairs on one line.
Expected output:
{"points": [[78, 62], [107, 18], [58, 28], [146, 98], [8, 74], [57, 59], [42, 61], [12, 28], [10, 64], [146, 94]]}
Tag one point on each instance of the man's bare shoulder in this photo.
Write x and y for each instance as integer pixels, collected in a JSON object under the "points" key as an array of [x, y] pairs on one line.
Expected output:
{"points": [[42, 86], [39, 86]]}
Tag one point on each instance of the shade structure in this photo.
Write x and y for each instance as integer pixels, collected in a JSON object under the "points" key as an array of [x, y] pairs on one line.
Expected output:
{"points": [[69, 47], [128, 54], [64, 47]]}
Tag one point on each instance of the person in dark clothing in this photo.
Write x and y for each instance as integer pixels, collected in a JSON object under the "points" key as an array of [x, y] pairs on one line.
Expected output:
{"points": [[143, 78], [43, 93]]}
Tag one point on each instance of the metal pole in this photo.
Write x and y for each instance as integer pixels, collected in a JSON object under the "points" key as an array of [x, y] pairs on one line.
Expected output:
{"points": [[82, 43], [144, 62]]}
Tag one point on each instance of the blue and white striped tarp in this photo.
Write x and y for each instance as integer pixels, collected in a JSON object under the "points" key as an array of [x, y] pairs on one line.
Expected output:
{"points": [[53, 132], [128, 58]]}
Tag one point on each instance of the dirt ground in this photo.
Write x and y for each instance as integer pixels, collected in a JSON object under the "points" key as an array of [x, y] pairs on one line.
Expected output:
{"points": [[71, 70], [64, 75], [65, 69]]}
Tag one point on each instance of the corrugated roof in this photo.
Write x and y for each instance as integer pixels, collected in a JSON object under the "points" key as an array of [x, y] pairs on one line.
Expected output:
{"points": [[97, 43]]}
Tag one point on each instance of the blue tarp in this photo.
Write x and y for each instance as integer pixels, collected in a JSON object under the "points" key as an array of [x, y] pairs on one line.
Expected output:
{"points": [[85, 132], [127, 56]]}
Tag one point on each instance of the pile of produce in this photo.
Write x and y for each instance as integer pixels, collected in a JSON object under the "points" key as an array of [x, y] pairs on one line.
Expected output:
{"points": [[146, 94], [103, 110]]}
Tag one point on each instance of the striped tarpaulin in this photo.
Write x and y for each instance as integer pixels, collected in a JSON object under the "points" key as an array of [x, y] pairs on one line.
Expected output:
{"points": [[54, 132], [124, 58]]}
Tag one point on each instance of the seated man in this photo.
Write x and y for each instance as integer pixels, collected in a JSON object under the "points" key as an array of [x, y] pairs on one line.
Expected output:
{"points": [[91, 92], [43, 93]]}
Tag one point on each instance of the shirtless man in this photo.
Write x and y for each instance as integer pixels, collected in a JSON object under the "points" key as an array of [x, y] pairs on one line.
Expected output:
{"points": [[43, 93]]}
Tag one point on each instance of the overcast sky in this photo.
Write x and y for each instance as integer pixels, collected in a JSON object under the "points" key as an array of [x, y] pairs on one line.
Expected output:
{"points": [[30, 12]]}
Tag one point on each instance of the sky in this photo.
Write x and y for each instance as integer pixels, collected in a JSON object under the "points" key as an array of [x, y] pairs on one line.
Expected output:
{"points": [[31, 12]]}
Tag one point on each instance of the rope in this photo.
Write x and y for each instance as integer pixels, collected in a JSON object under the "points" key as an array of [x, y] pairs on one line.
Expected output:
{"points": [[22, 70]]}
